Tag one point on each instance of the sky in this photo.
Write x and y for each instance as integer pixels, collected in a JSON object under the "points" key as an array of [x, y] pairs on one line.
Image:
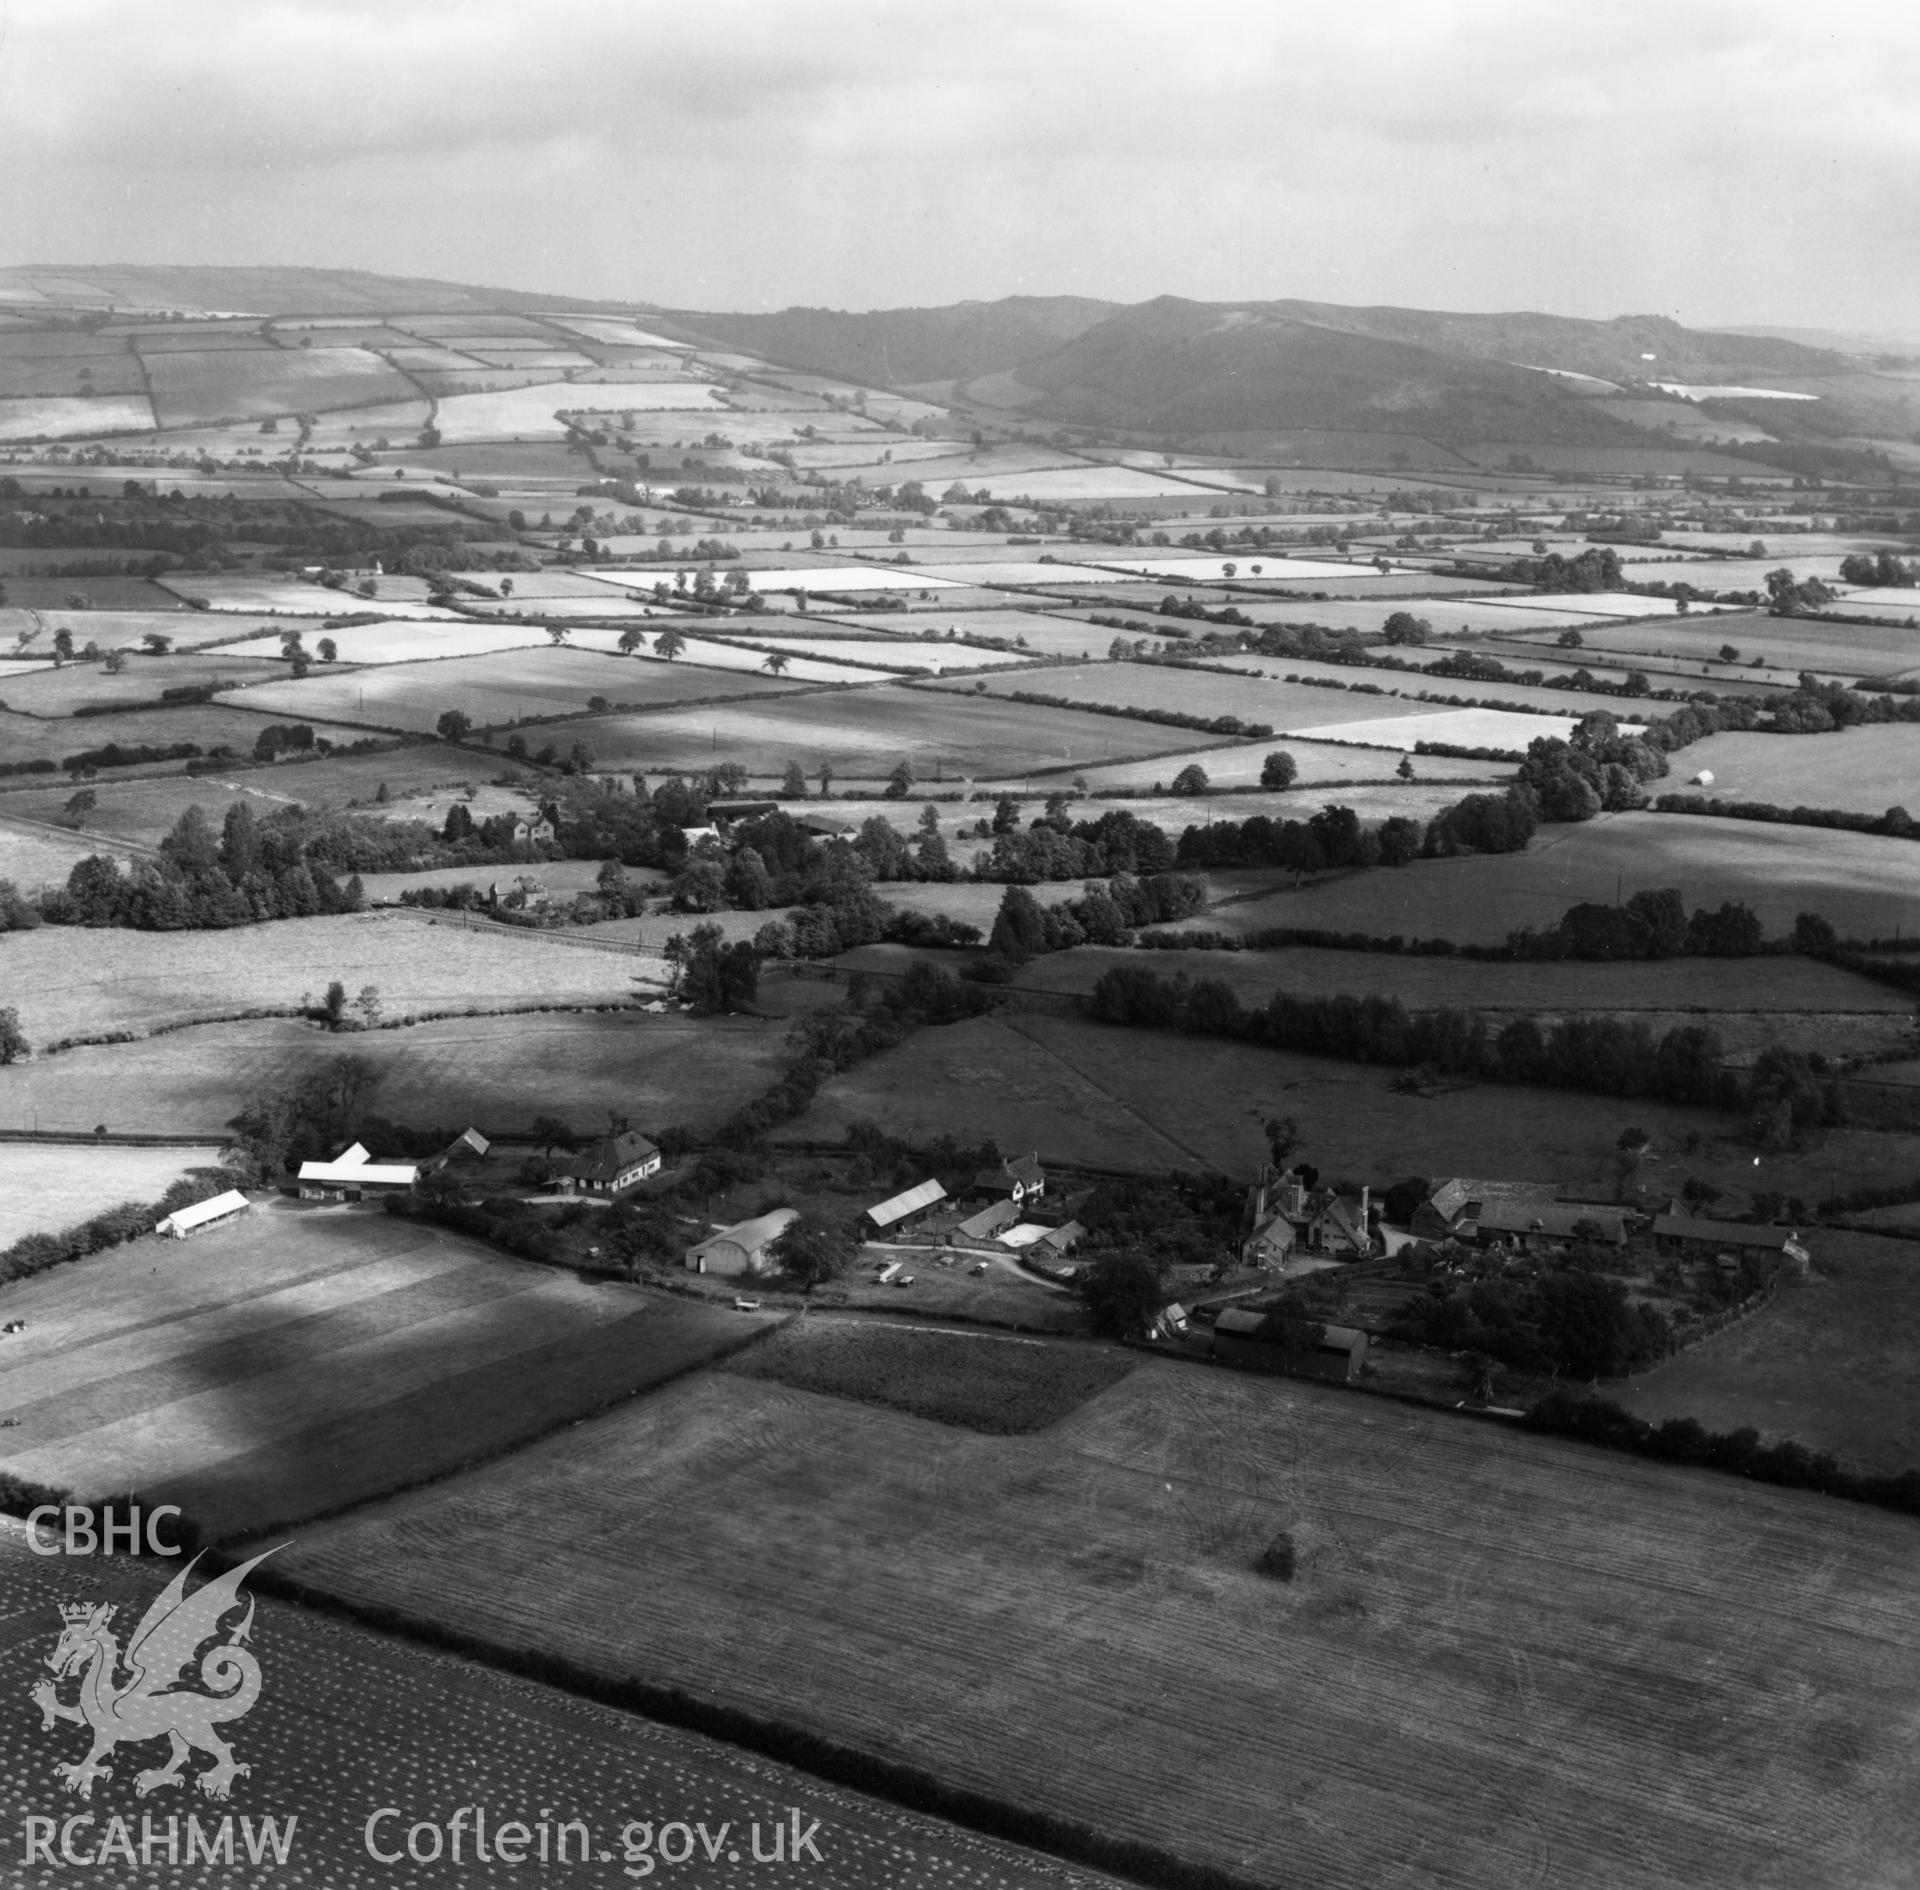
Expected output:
{"points": [[1719, 161]]}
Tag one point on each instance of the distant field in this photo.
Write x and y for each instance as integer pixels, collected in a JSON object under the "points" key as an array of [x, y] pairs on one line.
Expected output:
{"points": [[301, 1359], [1046, 634], [1448, 616], [1787, 643], [1409, 723], [404, 640], [290, 597], [494, 690], [498, 1072], [32, 857], [210, 724], [863, 732], [1866, 886], [516, 413], [47, 1186], [193, 389], [1238, 764], [1829, 1363], [71, 980], [1209, 693], [60, 692], [1523, 1662], [61, 417], [1864, 770]]}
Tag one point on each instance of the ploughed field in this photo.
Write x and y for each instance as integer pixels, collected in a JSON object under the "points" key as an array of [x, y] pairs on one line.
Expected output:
{"points": [[304, 1358], [497, 1073], [349, 1722], [1502, 1660]]}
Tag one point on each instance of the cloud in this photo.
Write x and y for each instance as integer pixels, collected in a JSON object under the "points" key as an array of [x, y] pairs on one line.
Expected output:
{"points": [[1709, 158]]}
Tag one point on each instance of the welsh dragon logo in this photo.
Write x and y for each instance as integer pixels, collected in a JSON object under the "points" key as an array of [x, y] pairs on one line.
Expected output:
{"points": [[152, 1703]]}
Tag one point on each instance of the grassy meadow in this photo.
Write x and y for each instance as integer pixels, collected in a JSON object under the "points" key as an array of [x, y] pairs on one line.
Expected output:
{"points": [[47, 1186]]}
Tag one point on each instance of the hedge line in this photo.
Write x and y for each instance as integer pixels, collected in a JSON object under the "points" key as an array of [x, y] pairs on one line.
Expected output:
{"points": [[35, 1253], [1895, 824]]}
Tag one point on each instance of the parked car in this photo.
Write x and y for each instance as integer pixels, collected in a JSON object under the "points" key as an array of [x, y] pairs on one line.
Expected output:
{"points": [[745, 1305], [906, 1279]]}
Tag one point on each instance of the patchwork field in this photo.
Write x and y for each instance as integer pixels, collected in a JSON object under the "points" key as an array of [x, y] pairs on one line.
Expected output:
{"points": [[33, 857], [76, 686], [863, 732], [289, 597], [66, 417], [225, 384], [210, 724], [1829, 1363], [1863, 770], [67, 981], [495, 1072], [494, 690], [1788, 644], [1238, 765], [1411, 723], [304, 1358], [1522, 1662], [47, 1186], [1865, 885], [405, 640]]}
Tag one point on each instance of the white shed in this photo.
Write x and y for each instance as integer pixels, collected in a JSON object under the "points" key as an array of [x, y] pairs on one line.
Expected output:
{"points": [[204, 1214]]}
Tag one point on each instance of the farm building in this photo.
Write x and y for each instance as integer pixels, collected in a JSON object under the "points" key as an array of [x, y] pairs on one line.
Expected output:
{"points": [[744, 1247], [1058, 1240], [1681, 1233], [1319, 1220], [903, 1210], [989, 1221], [1239, 1338], [1019, 1179], [184, 1222], [822, 826], [352, 1175], [1553, 1223], [619, 1159], [723, 812], [1453, 1206], [469, 1144]]}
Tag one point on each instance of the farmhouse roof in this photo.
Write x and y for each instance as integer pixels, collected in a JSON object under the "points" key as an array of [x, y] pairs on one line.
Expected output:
{"points": [[1062, 1237], [1023, 1171], [1558, 1220], [822, 824], [1242, 1320], [201, 1212], [1452, 1197], [611, 1156], [352, 1157], [899, 1206], [989, 1220], [362, 1173], [1723, 1233]]}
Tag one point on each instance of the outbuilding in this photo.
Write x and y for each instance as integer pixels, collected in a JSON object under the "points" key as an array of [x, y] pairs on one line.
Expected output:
{"points": [[745, 1247], [184, 1222], [352, 1175], [1240, 1338], [900, 1211]]}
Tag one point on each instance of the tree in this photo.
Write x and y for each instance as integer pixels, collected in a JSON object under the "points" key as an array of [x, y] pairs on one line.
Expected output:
{"points": [[1570, 640], [333, 1010], [1283, 1137], [556, 634], [776, 661], [1405, 770], [1404, 627], [812, 1250], [453, 725], [80, 805], [632, 638], [329, 650], [668, 644], [116, 662], [900, 781], [1192, 779], [62, 646], [13, 1042], [793, 784], [549, 1133], [1123, 1291], [1019, 928], [367, 1006], [157, 641], [1279, 770], [826, 779]]}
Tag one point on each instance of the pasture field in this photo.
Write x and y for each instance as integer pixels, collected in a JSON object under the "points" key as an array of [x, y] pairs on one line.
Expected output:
{"points": [[604, 607], [932, 658], [1213, 692], [306, 1357], [225, 384], [1010, 571], [1449, 616], [614, 333], [990, 1382], [811, 578], [1206, 568], [1865, 770], [320, 1751], [1464, 728], [1828, 1363], [1238, 765], [70, 981], [707, 654], [62, 692], [211, 724], [404, 640], [289, 597], [1414, 684], [1688, 987], [1521, 1661], [65, 417], [47, 1186], [507, 686], [1865, 885], [1607, 604], [59, 377], [1085, 1092], [46, 598], [140, 811], [495, 1072], [863, 732], [1788, 644], [517, 413], [33, 856], [1045, 634], [397, 420]]}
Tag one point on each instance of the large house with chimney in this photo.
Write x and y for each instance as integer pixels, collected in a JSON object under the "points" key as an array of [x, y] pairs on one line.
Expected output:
{"points": [[1285, 1216]]}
